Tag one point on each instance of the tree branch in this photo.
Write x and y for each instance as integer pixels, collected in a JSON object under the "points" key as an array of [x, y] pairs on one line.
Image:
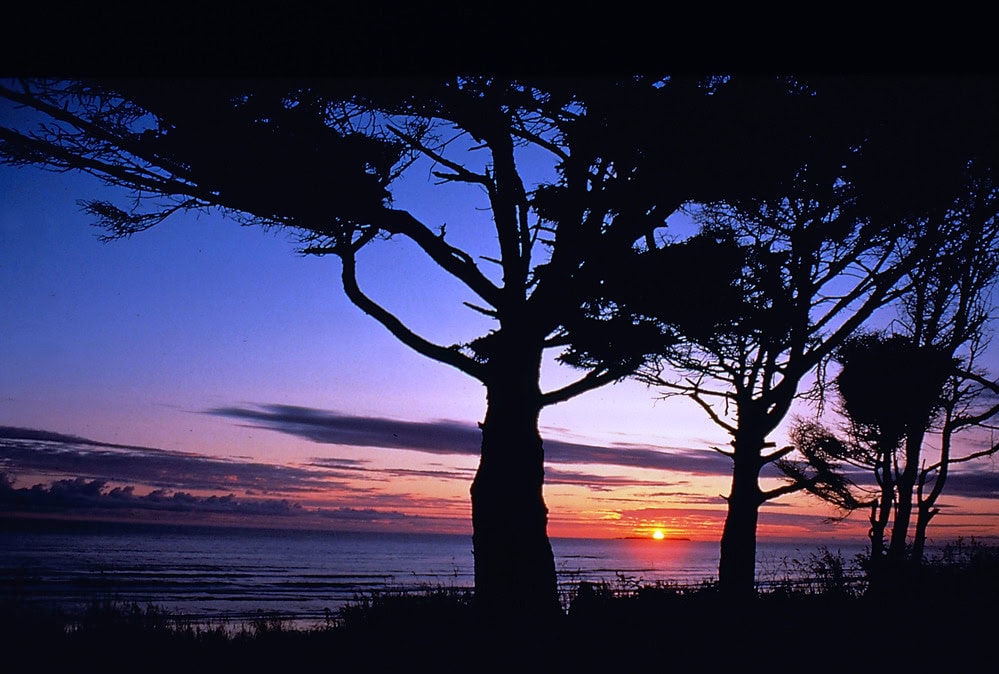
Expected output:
{"points": [[776, 456], [593, 379], [461, 173], [448, 356], [783, 490], [453, 260], [696, 397]]}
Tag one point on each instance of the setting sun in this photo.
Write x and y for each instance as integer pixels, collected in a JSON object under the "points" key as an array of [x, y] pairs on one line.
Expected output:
{"points": [[658, 534]]}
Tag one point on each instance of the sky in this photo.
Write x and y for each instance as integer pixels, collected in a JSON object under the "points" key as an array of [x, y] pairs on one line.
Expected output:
{"points": [[203, 371]]}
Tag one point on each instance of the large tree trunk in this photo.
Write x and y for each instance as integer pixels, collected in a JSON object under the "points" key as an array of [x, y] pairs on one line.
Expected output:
{"points": [[514, 564], [737, 565]]}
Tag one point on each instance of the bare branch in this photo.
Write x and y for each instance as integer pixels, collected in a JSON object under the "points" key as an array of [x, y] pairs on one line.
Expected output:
{"points": [[783, 490], [460, 173], [491, 313], [778, 455], [724, 452], [448, 356], [593, 379], [453, 260]]}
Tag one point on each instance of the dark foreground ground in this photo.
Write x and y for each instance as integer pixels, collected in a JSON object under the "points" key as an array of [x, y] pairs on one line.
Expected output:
{"points": [[942, 620]]}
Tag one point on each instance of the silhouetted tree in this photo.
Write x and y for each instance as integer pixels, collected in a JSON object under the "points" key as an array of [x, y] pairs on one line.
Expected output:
{"points": [[891, 390], [816, 260], [951, 309], [921, 376], [321, 158], [971, 404], [808, 274]]}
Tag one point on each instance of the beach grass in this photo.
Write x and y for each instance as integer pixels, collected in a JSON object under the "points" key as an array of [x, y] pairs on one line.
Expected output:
{"points": [[938, 616]]}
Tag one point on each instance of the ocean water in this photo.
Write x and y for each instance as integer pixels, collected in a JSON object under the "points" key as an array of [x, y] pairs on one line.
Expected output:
{"points": [[208, 573]]}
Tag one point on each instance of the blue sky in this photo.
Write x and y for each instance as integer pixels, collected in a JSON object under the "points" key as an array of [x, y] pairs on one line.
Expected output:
{"points": [[198, 313]]}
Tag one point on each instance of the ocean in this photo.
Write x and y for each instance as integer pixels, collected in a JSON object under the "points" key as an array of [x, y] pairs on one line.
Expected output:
{"points": [[228, 574]]}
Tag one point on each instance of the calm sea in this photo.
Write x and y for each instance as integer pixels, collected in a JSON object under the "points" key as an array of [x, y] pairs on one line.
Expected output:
{"points": [[209, 573]]}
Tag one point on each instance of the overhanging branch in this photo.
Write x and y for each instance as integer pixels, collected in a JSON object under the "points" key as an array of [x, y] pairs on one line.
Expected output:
{"points": [[593, 379], [453, 260], [448, 356]]}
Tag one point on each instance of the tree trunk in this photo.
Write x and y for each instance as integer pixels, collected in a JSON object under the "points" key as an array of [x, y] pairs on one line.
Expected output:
{"points": [[514, 564], [905, 487], [881, 509], [737, 565], [923, 516], [880, 514]]}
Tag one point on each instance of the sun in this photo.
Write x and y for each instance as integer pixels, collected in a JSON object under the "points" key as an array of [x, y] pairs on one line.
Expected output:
{"points": [[658, 534]]}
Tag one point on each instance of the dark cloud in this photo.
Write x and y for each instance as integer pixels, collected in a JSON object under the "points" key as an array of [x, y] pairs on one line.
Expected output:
{"points": [[982, 483], [94, 465], [596, 482], [11, 432], [971, 481], [362, 514], [453, 437], [695, 461], [38, 452], [435, 437], [334, 463], [463, 475], [689, 497], [82, 495]]}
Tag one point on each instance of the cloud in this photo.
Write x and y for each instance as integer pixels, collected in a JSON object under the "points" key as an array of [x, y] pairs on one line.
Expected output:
{"points": [[693, 518], [982, 483], [79, 494], [38, 452], [93, 498], [597, 482], [93, 466], [435, 437], [368, 515], [453, 437]]}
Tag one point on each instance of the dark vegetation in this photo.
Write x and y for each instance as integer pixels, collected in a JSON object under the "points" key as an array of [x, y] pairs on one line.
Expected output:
{"points": [[823, 615]]}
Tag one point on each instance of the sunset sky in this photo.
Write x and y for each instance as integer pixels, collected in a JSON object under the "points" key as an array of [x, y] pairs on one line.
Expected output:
{"points": [[206, 372]]}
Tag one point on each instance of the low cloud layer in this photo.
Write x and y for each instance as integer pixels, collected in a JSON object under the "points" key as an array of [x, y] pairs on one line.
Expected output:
{"points": [[94, 498], [39, 452], [80, 494], [453, 437], [458, 438], [105, 479], [85, 475]]}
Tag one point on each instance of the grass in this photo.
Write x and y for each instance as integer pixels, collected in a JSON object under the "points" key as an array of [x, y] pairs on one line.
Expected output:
{"points": [[939, 617]]}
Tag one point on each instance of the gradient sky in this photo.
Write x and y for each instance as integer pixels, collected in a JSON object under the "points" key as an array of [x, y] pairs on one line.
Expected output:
{"points": [[205, 371]]}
